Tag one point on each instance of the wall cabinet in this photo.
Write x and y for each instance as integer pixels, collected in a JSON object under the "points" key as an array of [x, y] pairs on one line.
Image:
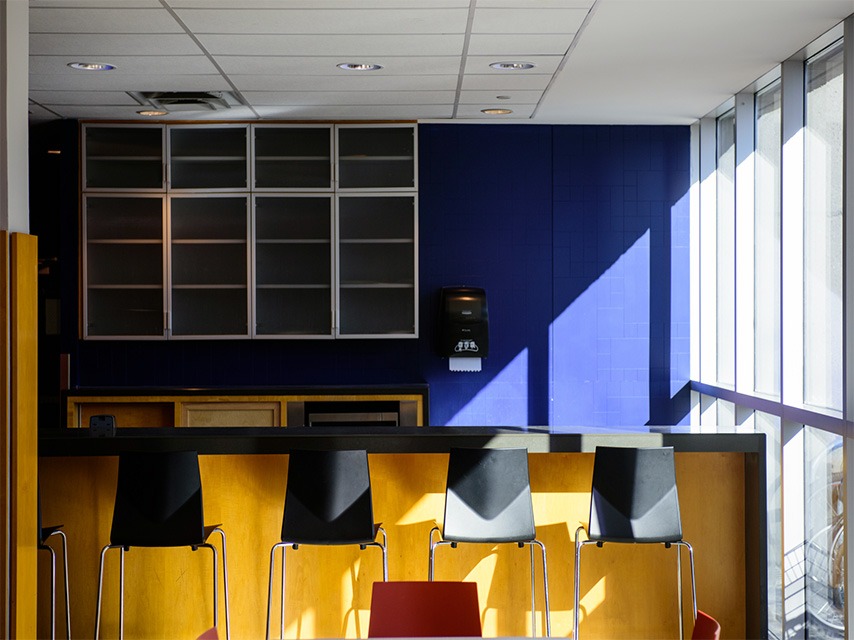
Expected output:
{"points": [[256, 231]]}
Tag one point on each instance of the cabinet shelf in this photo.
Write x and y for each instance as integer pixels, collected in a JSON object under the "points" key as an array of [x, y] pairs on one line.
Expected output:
{"points": [[107, 158], [377, 285], [152, 241], [208, 158], [377, 241], [213, 241], [207, 286], [294, 286], [293, 241], [367, 158], [292, 158], [123, 287]]}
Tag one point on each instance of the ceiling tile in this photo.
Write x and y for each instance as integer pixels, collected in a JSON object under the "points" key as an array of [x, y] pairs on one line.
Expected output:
{"points": [[39, 113], [515, 97], [125, 65], [528, 20], [323, 4], [505, 83], [65, 20], [514, 46], [100, 4], [536, 4], [317, 66], [357, 113], [83, 97], [544, 65], [141, 82], [307, 98], [344, 83], [130, 113], [520, 111], [334, 45], [324, 22], [102, 44]]}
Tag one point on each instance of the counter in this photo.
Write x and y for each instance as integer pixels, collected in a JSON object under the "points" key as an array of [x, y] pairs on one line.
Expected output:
{"points": [[627, 590]]}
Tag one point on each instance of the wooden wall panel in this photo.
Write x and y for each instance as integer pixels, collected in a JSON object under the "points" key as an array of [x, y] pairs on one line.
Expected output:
{"points": [[628, 590], [23, 435]]}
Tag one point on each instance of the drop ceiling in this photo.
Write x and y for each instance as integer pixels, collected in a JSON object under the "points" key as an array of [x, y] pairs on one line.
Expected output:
{"points": [[595, 61]]}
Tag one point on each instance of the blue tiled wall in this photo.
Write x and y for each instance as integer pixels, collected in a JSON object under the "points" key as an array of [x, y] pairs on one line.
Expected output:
{"points": [[579, 235]]}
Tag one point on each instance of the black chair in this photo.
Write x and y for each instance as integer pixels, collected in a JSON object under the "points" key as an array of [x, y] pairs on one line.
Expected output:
{"points": [[327, 502], [488, 499], [159, 504], [634, 500], [44, 534]]}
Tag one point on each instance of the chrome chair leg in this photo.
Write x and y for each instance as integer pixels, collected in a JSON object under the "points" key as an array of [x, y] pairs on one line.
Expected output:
{"points": [[64, 542], [432, 550], [122, 593], [270, 588], [282, 608], [100, 587], [50, 550], [576, 610], [533, 594], [545, 584], [225, 583]]}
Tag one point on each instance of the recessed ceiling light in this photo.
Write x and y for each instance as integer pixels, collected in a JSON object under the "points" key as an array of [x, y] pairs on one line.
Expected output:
{"points": [[92, 66], [152, 112], [359, 66], [512, 66], [496, 112]]}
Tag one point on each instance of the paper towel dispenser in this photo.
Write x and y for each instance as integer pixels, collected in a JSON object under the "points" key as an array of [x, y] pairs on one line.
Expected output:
{"points": [[463, 325]]}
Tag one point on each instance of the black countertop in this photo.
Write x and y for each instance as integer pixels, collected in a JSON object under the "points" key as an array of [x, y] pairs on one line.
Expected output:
{"points": [[277, 440]]}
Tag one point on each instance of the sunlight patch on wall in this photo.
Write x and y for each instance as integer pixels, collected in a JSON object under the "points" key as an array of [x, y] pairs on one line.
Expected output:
{"points": [[505, 395], [602, 343]]}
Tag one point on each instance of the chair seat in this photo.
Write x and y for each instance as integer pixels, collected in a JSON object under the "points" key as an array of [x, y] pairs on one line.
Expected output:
{"points": [[424, 609]]}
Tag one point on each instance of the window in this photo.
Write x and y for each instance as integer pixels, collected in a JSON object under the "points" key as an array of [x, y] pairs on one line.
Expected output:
{"points": [[822, 278], [726, 249], [766, 243]]}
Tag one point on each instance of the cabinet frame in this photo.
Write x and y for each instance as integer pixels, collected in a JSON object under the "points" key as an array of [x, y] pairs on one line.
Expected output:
{"points": [[330, 333], [84, 169], [255, 127], [248, 264], [164, 256], [167, 195], [339, 286], [170, 158], [338, 157]]}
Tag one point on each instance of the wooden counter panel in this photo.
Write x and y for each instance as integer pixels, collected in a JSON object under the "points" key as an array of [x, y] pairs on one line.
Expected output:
{"points": [[627, 590]]}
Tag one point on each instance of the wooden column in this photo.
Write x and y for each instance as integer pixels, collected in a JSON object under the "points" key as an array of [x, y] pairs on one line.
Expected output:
{"points": [[19, 440]]}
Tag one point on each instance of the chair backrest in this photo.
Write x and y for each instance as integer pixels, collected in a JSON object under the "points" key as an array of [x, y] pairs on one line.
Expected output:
{"points": [[424, 609], [328, 498], [634, 497], [488, 496], [706, 628], [158, 500]]}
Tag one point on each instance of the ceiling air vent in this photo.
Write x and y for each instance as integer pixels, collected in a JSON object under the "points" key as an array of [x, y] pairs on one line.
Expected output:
{"points": [[185, 100]]}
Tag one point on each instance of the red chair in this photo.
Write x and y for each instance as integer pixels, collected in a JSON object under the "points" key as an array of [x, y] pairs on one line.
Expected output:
{"points": [[424, 609], [706, 628]]}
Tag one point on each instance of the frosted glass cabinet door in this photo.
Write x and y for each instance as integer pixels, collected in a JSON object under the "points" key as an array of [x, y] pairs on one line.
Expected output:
{"points": [[123, 157], [376, 157], [377, 265], [289, 158], [123, 266], [209, 258], [293, 266], [210, 158]]}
